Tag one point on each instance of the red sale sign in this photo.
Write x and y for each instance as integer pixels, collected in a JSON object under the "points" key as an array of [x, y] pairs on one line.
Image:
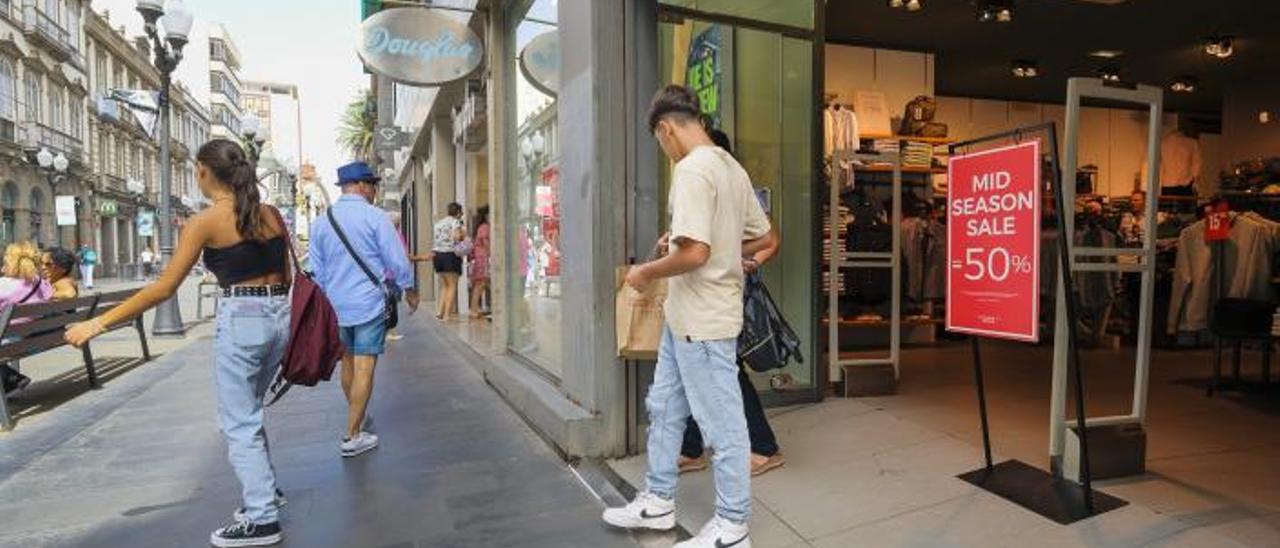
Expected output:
{"points": [[1217, 222], [993, 243]]}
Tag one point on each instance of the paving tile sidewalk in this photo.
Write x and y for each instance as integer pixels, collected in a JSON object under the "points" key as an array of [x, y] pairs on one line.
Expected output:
{"points": [[144, 466], [859, 475]]}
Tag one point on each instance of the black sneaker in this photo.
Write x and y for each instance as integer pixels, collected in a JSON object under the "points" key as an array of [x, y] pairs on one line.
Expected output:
{"points": [[238, 515], [247, 533], [12, 380]]}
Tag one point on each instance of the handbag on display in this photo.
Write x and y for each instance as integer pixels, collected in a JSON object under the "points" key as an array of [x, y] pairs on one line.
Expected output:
{"points": [[314, 347], [918, 114], [390, 293]]}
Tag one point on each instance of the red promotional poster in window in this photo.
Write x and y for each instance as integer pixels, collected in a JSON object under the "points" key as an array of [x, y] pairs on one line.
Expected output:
{"points": [[993, 243]]}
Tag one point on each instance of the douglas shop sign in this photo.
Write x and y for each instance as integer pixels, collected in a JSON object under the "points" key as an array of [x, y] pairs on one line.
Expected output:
{"points": [[540, 62], [419, 46]]}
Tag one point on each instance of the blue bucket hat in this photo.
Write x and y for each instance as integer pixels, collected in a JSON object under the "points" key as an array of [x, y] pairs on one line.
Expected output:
{"points": [[357, 172]]}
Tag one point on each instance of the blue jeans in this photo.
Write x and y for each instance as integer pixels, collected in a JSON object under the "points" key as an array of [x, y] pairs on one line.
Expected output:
{"points": [[700, 378], [250, 342]]}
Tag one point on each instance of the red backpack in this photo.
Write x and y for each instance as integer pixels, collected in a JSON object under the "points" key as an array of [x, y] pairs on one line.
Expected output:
{"points": [[314, 346]]}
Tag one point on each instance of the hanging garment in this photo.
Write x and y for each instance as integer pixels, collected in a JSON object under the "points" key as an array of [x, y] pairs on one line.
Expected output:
{"points": [[924, 249], [1246, 262]]}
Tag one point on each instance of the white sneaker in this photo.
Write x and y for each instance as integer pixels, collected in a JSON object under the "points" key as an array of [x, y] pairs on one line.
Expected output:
{"points": [[719, 533], [647, 511], [362, 443]]}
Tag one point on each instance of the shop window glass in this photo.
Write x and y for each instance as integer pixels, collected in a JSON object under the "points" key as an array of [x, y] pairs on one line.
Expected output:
{"points": [[795, 13], [37, 216], [536, 256], [8, 212]]}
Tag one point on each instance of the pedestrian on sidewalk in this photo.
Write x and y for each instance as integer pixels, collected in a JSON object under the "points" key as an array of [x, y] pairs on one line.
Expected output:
{"points": [[765, 454], [88, 260], [478, 270], [245, 244], [356, 241], [147, 258], [715, 220], [448, 232]]}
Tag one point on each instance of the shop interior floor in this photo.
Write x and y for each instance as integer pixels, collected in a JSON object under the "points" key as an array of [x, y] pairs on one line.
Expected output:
{"points": [[880, 471]]}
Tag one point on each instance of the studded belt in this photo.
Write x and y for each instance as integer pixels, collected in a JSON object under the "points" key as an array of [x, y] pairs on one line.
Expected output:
{"points": [[273, 290]]}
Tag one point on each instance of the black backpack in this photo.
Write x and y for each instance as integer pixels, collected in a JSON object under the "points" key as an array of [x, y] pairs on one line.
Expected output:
{"points": [[767, 342]]}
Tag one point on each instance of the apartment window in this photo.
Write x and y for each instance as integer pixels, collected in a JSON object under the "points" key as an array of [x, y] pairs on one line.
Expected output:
{"points": [[8, 91], [75, 116], [100, 73], [32, 83], [135, 163], [117, 77], [102, 153], [57, 102], [73, 24], [121, 167]]}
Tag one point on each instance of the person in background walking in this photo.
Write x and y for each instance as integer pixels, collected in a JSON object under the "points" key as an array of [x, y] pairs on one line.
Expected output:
{"points": [[57, 265], [245, 244], [354, 243], [765, 455], [21, 284], [716, 220], [479, 269], [88, 260], [147, 258], [448, 232]]}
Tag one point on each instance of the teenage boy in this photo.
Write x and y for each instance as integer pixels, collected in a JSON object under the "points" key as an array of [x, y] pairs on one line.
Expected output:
{"points": [[715, 218]]}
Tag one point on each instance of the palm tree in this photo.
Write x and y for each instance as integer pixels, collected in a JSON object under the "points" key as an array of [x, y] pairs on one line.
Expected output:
{"points": [[355, 133]]}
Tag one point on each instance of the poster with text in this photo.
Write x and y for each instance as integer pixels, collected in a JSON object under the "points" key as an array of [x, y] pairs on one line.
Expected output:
{"points": [[993, 243]]}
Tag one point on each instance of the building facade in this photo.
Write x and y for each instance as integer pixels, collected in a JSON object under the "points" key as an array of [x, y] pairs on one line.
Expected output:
{"points": [[225, 86], [43, 89], [279, 115], [124, 153]]}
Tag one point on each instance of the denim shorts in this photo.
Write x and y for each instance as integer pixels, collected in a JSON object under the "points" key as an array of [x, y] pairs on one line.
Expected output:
{"points": [[366, 339]]}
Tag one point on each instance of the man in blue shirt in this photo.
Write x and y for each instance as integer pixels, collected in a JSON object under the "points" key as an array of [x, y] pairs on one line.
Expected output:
{"points": [[358, 301]]}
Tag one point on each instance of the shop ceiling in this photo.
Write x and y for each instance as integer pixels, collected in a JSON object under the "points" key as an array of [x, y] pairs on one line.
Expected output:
{"points": [[1161, 40]]}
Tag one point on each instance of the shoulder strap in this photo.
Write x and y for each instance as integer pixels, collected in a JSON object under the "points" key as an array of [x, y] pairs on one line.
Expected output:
{"points": [[34, 287], [347, 244]]}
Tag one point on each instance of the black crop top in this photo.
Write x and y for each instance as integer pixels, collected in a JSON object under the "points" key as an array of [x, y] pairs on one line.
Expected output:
{"points": [[246, 260]]}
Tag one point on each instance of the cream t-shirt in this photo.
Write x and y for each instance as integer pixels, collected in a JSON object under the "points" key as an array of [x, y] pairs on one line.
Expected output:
{"points": [[711, 201]]}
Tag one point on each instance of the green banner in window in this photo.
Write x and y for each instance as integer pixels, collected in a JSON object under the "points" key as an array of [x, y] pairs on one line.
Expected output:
{"points": [[703, 75]]}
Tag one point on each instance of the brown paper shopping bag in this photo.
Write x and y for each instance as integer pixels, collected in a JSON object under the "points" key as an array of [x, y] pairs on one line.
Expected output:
{"points": [[639, 318]]}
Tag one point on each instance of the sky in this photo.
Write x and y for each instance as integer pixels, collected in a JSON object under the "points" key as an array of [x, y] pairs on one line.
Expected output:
{"points": [[310, 43]]}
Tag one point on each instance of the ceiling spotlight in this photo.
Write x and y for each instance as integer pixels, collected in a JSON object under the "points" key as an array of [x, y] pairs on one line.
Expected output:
{"points": [[897, 4], [1025, 69], [1000, 11], [1106, 53], [1109, 74], [913, 5], [1184, 84], [1219, 47]]}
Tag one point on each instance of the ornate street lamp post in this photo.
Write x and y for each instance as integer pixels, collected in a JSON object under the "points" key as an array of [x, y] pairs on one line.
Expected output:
{"points": [[55, 168], [168, 53]]}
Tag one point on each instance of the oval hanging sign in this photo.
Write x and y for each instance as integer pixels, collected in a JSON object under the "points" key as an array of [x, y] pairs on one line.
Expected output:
{"points": [[540, 62], [419, 46]]}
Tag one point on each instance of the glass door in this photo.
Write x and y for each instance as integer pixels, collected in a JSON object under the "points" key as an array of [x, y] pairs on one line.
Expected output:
{"points": [[757, 85]]}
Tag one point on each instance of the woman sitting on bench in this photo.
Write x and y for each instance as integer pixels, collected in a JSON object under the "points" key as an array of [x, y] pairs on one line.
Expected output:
{"points": [[57, 265], [21, 284]]}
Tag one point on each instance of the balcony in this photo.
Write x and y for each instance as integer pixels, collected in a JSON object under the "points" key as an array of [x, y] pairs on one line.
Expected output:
{"points": [[107, 181], [42, 29], [35, 136]]}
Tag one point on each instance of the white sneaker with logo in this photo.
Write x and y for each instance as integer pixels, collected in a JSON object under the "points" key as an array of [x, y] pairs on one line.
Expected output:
{"points": [[362, 443], [647, 511], [719, 533]]}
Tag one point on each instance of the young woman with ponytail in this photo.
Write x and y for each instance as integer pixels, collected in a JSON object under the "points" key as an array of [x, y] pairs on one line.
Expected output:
{"points": [[245, 244]]}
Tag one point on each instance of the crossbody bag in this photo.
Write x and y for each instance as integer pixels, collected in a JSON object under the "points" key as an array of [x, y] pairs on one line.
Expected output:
{"points": [[390, 293]]}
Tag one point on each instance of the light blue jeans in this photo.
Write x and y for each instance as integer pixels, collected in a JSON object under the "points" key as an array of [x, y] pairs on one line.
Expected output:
{"points": [[700, 378], [250, 342]]}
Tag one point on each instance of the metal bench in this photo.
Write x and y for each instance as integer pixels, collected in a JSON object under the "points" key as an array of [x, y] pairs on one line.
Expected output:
{"points": [[30, 329]]}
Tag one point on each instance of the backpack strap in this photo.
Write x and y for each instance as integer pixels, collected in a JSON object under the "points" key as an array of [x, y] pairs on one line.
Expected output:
{"points": [[351, 250]]}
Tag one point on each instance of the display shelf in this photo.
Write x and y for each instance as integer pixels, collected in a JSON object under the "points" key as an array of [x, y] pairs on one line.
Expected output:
{"points": [[850, 322], [905, 169]]}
